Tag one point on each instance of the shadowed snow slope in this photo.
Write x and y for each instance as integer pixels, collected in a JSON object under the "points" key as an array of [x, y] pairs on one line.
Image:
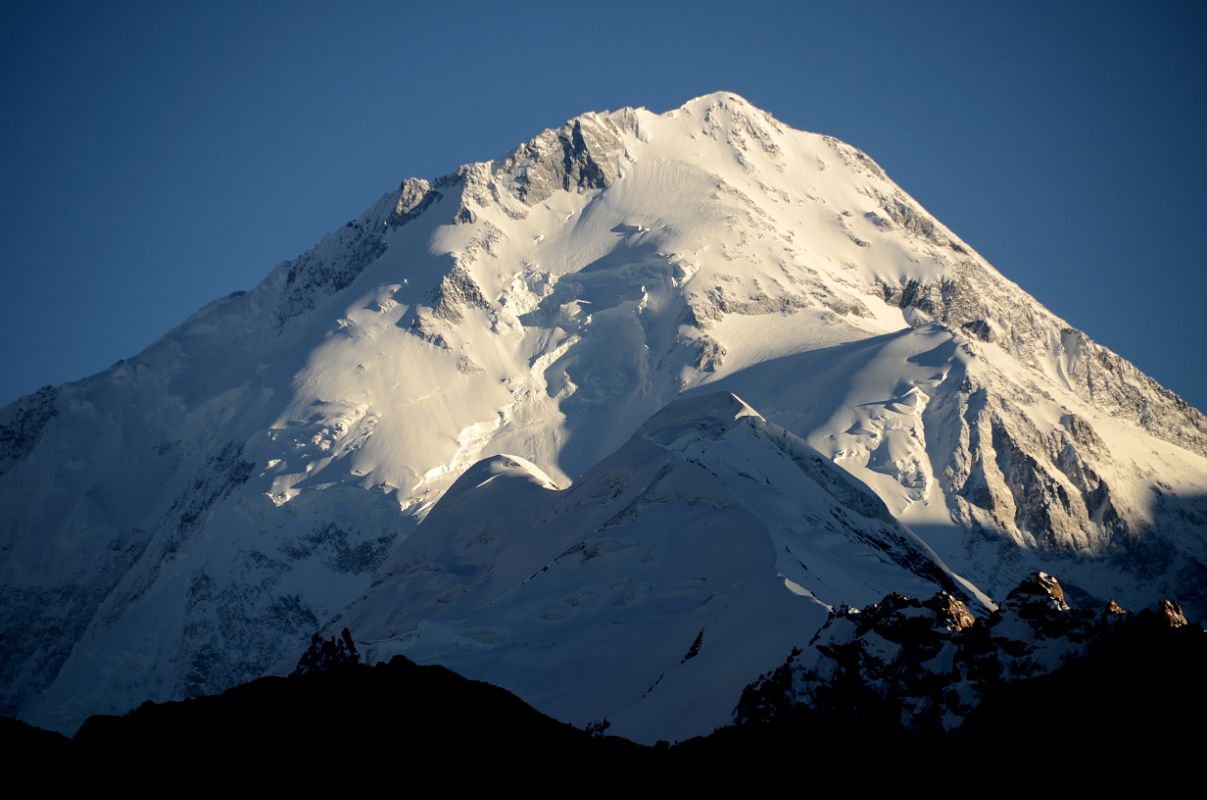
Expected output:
{"points": [[186, 519], [653, 590]]}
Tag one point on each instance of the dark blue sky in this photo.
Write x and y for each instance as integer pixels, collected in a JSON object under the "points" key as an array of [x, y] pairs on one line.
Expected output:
{"points": [[154, 157]]}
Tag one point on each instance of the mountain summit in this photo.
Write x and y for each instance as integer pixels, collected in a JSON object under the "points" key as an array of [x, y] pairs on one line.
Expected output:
{"points": [[190, 517]]}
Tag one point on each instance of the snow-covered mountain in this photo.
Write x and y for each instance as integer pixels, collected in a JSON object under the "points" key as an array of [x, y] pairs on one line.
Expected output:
{"points": [[652, 589], [186, 519]]}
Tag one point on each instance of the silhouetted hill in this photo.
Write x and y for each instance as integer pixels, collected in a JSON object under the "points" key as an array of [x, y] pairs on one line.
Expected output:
{"points": [[1138, 698]]}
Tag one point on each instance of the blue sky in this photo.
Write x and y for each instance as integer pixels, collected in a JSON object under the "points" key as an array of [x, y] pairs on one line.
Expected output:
{"points": [[154, 156]]}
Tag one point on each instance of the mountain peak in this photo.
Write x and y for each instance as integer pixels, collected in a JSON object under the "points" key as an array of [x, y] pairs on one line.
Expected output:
{"points": [[719, 98], [246, 477]]}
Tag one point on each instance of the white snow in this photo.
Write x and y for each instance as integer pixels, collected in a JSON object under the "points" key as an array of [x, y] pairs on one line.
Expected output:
{"points": [[585, 601], [188, 517]]}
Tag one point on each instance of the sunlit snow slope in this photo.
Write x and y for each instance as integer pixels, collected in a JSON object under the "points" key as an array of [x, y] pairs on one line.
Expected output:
{"points": [[187, 518]]}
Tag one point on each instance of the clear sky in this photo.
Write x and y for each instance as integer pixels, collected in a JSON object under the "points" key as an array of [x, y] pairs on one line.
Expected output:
{"points": [[154, 156]]}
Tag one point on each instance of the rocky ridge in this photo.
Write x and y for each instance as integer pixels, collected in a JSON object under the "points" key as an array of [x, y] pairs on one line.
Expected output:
{"points": [[927, 664]]}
